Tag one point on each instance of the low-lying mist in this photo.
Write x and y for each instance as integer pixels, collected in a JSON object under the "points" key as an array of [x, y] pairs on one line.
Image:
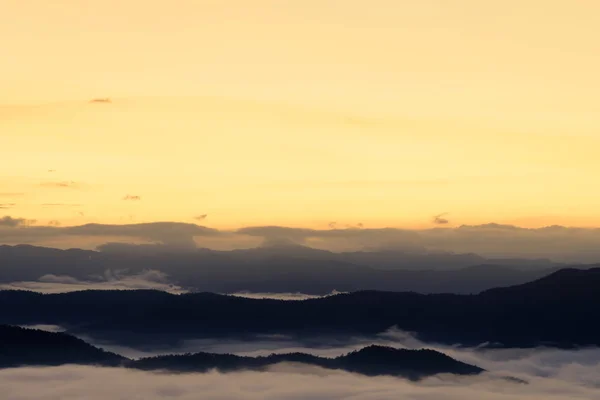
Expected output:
{"points": [[579, 366], [282, 382]]}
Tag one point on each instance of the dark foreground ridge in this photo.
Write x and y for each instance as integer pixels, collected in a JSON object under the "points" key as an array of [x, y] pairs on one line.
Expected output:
{"points": [[22, 347], [560, 310]]}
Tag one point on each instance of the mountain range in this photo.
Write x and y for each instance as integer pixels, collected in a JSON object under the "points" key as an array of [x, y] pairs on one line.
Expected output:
{"points": [[561, 309], [276, 269]]}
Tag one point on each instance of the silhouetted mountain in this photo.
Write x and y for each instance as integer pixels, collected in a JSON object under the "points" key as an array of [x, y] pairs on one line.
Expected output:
{"points": [[276, 269], [559, 285], [20, 346], [372, 361], [542, 312]]}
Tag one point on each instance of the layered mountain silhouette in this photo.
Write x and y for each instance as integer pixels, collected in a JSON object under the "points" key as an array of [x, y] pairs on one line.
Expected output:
{"points": [[277, 269], [21, 347], [561, 309], [371, 360]]}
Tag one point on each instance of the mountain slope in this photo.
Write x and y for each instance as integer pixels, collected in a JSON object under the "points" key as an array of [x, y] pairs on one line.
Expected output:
{"points": [[20, 346], [561, 310], [371, 360]]}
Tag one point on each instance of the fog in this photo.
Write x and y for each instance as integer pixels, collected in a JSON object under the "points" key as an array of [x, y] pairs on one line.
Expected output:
{"points": [[282, 382], [577, 365], [549, 373], [148, 279]]}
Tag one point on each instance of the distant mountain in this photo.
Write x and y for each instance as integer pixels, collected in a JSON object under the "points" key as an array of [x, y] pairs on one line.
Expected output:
{"points": [[560, 310], [372, 361], [20, 346], [277, 269], [26, 347]]}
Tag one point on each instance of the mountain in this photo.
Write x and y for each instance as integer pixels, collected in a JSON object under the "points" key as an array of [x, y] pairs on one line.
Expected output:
{"points": [[20, 346], [277, 269], [560, 285], [562, 310], [371, 360], [23, 347]]}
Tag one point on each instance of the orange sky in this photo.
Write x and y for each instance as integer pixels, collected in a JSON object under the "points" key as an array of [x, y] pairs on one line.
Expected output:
{"points": [[383, 112]]}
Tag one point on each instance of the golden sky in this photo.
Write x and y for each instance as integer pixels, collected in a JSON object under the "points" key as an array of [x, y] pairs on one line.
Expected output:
{"points": [[301, 112]]}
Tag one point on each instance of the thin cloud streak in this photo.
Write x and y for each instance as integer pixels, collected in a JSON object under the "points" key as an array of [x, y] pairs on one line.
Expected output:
{"points": [[62, 185], [438, 220]]}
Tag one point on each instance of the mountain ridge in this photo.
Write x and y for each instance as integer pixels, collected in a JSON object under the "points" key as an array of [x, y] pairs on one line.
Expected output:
{"points": [[32, 347], [274, 269], [519, 316]]}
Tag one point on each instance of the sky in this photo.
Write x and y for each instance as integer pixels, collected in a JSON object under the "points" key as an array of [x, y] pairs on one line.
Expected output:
{"points": [[300, 113]]}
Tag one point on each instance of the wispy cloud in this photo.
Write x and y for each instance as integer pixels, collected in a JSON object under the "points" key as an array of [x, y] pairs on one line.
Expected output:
{"points": [[175, 235], [132, 198], [62, 184], [101, 100], [439, 220]]}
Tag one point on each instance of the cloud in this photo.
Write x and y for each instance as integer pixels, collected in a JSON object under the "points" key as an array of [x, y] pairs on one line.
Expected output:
{"points": [[7, 205], [566, 244], [201, 217], [525, 363], [332, 225], [438, 220], [62, 184], [281, 382], [132, 198], [51, 170], [11, 222], [281, 296], [111, 280], [50, 278], [176, 235], [101, 100], [54, 223]]}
